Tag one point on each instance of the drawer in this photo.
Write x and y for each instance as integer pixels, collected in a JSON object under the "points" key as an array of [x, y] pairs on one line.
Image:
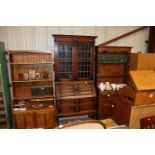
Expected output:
{"points": [[67, 109], [66, 102], [107, 95], [86, 100], [86, 106]]}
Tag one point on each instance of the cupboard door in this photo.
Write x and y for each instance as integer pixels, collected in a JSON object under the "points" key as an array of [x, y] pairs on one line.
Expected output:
{"points": [[29, 120], [122, 112], [19, 120], [24, 120], [63, 59], [84, 61], [45, 119], [106, 107]]}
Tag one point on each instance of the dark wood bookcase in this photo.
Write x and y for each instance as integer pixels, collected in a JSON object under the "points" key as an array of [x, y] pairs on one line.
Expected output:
{"points": [[74, 61], [32, 87]]}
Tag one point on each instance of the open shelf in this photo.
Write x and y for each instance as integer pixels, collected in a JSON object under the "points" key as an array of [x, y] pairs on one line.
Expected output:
{"points": [[44, 80], [37, 63], [32, 97]]}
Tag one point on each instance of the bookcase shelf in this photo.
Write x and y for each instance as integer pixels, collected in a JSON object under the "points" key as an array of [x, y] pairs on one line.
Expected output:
{"points": [[30, 81]]}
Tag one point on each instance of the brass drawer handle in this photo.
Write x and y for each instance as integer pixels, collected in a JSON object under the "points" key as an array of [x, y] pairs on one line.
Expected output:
{"points": [[112, 106]]}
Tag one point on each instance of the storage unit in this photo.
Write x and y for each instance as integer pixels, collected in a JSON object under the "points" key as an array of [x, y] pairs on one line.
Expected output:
{"points": [[112, 67], [142, 61], [31, 80], [74, 75], [5, 96]]}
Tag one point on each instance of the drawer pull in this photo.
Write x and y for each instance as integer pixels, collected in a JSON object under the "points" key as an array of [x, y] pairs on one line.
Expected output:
{"points": [[112, 106], [108, 95]]}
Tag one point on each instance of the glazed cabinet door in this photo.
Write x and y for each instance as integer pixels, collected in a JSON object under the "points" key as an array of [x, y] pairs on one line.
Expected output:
{"points": [[63, 61], [85, 61]]}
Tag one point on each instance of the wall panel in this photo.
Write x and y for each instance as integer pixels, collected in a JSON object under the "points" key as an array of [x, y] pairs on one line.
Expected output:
{"points": [[3, 35], [27, 37], [14, 37], [40, 38]]}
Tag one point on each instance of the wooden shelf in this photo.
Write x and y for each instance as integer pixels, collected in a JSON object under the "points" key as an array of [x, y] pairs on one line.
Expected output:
{"points": [[77, 113], [32, 97], [33, 109], [38, 63], [45, 80]]}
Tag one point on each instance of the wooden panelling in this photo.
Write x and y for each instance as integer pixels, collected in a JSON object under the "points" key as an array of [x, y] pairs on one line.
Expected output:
{"points": [[39, 38]]}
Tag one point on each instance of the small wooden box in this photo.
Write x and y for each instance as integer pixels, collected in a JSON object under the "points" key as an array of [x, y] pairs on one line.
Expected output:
{"points": [[142, 90]]}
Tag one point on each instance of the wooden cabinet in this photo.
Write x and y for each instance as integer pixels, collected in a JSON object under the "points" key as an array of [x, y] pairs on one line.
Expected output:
{"points": [[43, 118], [74, 75], [5, 95], [142, 61], [112, 66], [32, 83]]}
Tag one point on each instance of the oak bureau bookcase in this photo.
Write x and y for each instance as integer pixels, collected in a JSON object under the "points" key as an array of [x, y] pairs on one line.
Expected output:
{"points": [[74, 59]]}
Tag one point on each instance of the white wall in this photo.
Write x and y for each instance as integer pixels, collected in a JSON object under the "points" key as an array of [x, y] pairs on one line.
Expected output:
{"points": [[40, 38]]}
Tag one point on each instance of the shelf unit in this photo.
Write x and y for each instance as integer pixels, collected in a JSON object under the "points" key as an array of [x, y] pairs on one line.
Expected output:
{"points": [[74, 67], [32, 83]]}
